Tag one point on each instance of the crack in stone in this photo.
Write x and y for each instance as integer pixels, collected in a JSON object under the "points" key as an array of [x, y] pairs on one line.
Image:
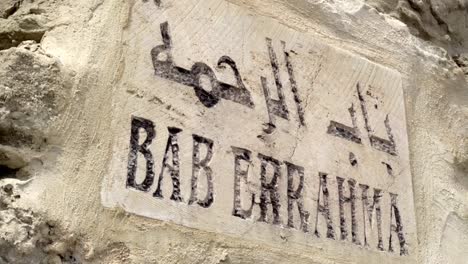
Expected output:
{"points": [[12, 10]]}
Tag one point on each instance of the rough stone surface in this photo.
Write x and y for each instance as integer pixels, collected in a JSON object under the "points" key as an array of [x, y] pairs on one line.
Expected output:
{"points": [[26, 236], [58, 99]]}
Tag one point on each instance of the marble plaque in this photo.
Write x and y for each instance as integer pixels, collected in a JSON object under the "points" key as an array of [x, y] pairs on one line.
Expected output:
{"points": [[230, 122]]}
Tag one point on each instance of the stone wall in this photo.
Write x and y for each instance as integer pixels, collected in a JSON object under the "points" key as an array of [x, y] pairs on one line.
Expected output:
{"points": [[66, 82]]}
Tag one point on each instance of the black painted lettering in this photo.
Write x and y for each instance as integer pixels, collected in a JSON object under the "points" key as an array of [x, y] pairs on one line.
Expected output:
{"points": [[324, 208], [367, 213], [165, 67], [171, 147], [199, 164], [352, 159], [292, 81], [269, 190], [396, 227], [344, 131], [378, 143], [238, 94], [352, 201], [207, 98], [163, 62], [148, 126], [156, 2], [297, 197], [275, 107], [389, 168], [241, 156]]}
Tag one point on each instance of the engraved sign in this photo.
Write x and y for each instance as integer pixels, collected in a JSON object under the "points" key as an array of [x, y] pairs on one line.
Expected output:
{"points": [[230, 122]]}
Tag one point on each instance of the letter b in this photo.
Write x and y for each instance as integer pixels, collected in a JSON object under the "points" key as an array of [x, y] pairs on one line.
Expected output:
{"points": [[148, 126]]}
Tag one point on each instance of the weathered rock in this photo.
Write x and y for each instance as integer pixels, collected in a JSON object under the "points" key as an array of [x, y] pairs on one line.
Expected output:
{"points": [[21, 20], [27, 237], [9, 8], [441, 21], [59, 131], [33, 91]]}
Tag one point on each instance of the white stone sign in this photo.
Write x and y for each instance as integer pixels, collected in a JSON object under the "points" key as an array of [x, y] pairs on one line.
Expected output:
{"points": [[230, 122]]}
